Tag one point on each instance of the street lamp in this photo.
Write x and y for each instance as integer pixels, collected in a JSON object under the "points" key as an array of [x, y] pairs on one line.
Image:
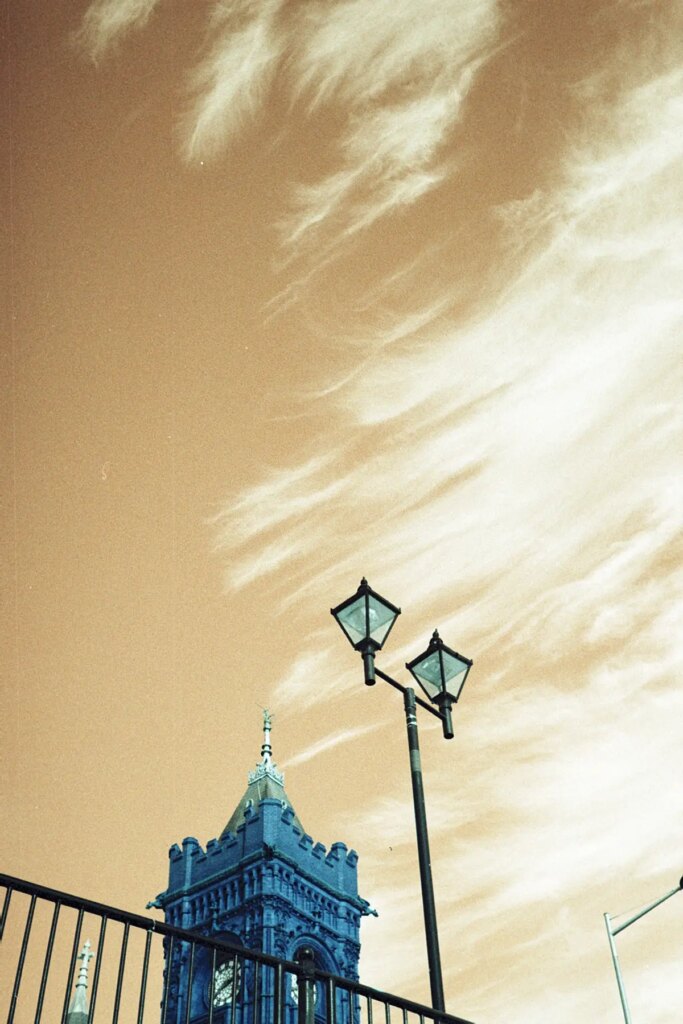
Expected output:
{"points": [[612, 932], [441, 673], [366, 619]]}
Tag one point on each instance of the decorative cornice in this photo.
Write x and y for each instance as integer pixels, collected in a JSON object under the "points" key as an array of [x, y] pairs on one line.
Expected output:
{"points": [[289, 911], [253, 859]]}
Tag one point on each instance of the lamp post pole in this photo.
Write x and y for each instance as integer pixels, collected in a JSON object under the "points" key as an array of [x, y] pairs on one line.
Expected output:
{"points": [[366, 619], [428, 905], [410, 702], [612, 932]]}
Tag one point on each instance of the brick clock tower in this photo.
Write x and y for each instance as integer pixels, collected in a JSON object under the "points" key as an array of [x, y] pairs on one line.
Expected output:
{"points": [[265, 885]]}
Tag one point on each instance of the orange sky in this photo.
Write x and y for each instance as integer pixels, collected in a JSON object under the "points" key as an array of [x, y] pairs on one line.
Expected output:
{"points": [[298, 292]]}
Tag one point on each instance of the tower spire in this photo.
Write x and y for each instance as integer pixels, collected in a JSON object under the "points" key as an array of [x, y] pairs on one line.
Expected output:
{"points": [[78, 1011], [267, 767], [266, 749], [264, 782]]}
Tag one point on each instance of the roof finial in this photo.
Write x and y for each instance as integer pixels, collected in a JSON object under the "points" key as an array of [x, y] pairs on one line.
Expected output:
{"points": [[267, 765], [86, 956], [78, 1003], [266, 749]]}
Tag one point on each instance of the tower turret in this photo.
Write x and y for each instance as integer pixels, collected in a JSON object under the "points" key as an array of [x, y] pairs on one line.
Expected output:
{"points": [[78, 1010], [264, 884]]}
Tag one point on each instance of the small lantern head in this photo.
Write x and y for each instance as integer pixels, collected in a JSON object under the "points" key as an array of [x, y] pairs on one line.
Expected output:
{"points": [[366, 618], [440, 672]]}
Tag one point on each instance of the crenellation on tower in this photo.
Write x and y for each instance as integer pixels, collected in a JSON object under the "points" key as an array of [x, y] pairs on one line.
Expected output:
{"points": [[267, 831]]}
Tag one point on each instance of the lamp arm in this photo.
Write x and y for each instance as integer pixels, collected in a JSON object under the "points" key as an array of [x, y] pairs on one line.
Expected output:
{"points": [[418, 700], [641, 913]]}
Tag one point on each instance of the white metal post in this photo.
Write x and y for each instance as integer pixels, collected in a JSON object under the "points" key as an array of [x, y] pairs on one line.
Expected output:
{"points": [[625, 924], [617, 971]]}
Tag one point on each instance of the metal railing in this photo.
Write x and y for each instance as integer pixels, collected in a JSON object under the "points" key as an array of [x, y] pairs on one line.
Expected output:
{"points": [[174, 975]]}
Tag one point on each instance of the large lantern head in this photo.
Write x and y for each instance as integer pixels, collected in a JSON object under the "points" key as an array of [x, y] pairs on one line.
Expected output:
{"points": [[366, 620], [441, 673]]}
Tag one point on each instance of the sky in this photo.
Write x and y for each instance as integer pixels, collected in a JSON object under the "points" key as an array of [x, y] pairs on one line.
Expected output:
{"points": [[298, 292]]}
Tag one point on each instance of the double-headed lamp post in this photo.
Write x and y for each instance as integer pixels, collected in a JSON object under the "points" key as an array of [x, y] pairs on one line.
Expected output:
{"points": [[613, 931], [366, 619]]}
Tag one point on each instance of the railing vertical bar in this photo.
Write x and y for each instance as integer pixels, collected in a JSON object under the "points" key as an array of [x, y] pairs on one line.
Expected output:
{"points": [[119, 977], [22, 957], [5, 909], [387, 1012], [212, 984], [235, 980], [277, 995], [257, 992], [167, 984], [72, 963], [369, 1001], [300, 996], [48, 958], [143, 982], [331, 999], [98, 967], [405, 1015], [190, 979]]}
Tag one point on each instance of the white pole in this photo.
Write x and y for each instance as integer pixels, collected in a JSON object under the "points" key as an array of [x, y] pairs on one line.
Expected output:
{"points": [[612, 932], [617, 971]]}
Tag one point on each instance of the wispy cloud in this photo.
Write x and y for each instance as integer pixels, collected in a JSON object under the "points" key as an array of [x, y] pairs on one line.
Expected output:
{"points": [[233, 79], [399, 73], [316, 662], [390, 161], [106, 22], [328, 742], [403, 74]]}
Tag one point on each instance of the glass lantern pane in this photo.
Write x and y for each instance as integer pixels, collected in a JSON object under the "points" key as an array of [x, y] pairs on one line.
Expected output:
{"points": [[381, 619], [352, 620], [455, 671], [453, 666], [429, 674]]}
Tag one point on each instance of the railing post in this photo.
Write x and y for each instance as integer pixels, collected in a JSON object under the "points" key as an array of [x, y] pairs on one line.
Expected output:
{"points": [[306, 980]]}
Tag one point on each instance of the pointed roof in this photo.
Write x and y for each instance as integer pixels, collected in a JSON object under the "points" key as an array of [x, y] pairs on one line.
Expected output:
{"points": [[265, 782], [78, 1011]]}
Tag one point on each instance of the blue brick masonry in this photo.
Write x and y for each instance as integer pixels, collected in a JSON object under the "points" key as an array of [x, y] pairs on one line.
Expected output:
{"points": [[267, 886]]}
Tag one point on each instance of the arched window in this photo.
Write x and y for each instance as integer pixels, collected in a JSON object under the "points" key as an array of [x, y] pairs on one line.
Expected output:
{"points": [[322, 961]]}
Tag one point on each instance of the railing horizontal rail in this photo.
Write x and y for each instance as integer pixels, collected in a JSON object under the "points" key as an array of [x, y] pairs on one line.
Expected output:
{"points": [[150, 925]]}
